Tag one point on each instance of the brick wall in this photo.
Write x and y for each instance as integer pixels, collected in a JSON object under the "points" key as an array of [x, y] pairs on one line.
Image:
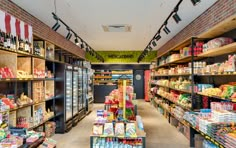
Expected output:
{"points": [[218, 12], [40, 29]]}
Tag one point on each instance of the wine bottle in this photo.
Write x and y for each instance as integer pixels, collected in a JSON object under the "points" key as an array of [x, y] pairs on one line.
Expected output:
{"points": [[8, 40], [21, 44], [14, 43], [1, 39], [26, 46], [5, 40]]}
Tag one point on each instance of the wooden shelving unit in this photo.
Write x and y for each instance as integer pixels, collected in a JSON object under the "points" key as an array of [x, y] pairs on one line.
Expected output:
{"points": [[210, 56], [46, 91]]}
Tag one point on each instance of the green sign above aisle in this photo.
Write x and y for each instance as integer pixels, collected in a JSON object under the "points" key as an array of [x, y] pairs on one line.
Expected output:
{"points": [[121, 56]]}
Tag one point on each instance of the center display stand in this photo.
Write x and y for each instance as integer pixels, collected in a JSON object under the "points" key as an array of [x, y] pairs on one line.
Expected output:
{"points": [[118, 125]]}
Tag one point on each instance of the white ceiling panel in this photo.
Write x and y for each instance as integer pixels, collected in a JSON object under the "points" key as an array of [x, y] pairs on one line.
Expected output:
{"points": [[86, 17]]}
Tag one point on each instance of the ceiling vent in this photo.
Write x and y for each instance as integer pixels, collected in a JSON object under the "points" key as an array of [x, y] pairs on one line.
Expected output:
{"points": [[116, 28]]}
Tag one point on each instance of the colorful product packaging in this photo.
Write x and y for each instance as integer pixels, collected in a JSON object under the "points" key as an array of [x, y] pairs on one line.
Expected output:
{"points": [[131, 130], [119, 129], [108, 129]]}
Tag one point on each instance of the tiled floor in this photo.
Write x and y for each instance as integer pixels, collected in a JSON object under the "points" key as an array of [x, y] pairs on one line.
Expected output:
{"points": [[160, 134]]}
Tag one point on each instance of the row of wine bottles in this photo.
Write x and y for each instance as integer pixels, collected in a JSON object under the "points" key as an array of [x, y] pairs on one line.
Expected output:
{"points": [[7, 40]]}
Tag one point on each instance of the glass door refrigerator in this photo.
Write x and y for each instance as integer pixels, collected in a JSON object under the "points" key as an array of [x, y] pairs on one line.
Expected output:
{"points": [[68, 96], [80, 92], [85, 89], [75, 95], [90, 98]]}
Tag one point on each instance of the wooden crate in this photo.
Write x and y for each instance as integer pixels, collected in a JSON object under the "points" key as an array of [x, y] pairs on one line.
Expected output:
{"points": [[36, 119], [38, 91], [8, 59], [24, 65], [12, 119], [41, 44], [25, 112], [50, 51], [38, 68], [49, 89]]}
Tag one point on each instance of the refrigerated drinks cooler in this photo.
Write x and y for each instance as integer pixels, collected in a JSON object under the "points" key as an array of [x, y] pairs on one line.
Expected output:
{"points": [[68, 96], [90, 98], [75, 95], [85, 88]]}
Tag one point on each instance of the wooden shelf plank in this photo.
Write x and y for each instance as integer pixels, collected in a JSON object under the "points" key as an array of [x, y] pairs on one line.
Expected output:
{"points": [[230, 48]]}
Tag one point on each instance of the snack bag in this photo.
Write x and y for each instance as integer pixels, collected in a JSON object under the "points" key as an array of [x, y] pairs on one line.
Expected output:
{"points": [[97, 129], [108, 129], [119, 129], [131, 130]]}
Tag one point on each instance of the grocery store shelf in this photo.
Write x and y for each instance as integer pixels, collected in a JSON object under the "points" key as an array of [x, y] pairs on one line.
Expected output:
{"points": [[205, 135], [186, 108], [167, 110], [219, 51], [217, 97], [20, 107], [171, 75], [181, 90], [218, 74], [178, 61], [31, 128], [102, 77]]}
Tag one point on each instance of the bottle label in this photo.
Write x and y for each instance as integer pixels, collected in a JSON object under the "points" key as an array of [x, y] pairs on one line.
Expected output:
{"points": [[5, 44], [8, 42]]}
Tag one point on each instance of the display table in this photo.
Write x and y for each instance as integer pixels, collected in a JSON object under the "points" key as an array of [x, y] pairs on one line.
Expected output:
{"points": [[141, 137]]}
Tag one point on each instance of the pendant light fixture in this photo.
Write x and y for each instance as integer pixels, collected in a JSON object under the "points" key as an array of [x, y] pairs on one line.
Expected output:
{"points": [[154, 43], [158, 37], [69, 34], [195, 2], [56, 26], [76, 41], [176, 18], [166, 29]]}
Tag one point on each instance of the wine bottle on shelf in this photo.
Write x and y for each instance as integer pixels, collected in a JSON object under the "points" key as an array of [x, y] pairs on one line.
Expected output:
{"points": [[14, 42], [1, 39], [5, 39], [21, 44], [8, 40], [26, 46]]}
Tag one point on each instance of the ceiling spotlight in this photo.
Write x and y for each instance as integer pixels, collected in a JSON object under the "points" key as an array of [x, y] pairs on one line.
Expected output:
{"points": [[195, 2], [69, 34], [158, 37], [167, 31], [150, 48], [154, 43], [82, 45], [87, 49], [176, 18], [76, 41], [56, 26]]}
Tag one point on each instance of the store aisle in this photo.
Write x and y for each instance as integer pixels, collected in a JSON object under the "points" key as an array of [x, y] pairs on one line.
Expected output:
{"points": [[160, 134], [78, 137]]}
